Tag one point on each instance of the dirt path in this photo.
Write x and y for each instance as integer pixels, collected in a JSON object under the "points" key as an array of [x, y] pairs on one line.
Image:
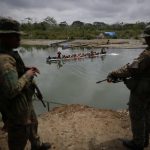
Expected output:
{"points": [[77, 127]]}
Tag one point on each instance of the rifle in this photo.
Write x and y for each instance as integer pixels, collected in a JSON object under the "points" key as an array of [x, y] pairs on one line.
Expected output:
{"points": [[39, 94], [114, 81], [101, 81]]}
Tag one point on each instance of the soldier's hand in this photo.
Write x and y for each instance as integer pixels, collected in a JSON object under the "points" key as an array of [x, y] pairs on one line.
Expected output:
{"points": [[34, 68], [112, 77], [31, 72]]}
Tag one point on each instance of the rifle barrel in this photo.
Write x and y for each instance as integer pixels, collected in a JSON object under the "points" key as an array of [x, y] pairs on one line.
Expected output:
{"points": [[101, 81]]}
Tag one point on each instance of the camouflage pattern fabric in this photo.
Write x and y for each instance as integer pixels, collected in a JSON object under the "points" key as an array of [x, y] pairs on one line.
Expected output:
{"points": [[139, 102], [16, 102], [13, 99]]}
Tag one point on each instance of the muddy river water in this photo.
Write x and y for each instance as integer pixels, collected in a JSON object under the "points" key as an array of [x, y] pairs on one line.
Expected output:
{"points": [[74, 81]]}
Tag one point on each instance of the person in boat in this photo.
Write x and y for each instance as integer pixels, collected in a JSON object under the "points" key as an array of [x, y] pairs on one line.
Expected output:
{"points": [[82, 55], [72, 56], [59, 55], [63, 56], [86, 54], [97, 53], [78, 55], [75, 55], [91, 53], [68, 56], [48, 58], [103, 51]]}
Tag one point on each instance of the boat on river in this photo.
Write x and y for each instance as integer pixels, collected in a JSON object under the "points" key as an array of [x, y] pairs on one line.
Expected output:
{"points": [[73, 57]]}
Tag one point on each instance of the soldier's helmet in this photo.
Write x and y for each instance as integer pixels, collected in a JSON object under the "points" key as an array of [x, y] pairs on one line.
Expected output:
{"points": [[146, 31], [8, 26]]}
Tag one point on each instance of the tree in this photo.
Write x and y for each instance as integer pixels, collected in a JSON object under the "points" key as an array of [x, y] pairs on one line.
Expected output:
{"points": [[29, 20], [51, 21], [77, 24], [101, 24], [63, 24], [88, 25]]}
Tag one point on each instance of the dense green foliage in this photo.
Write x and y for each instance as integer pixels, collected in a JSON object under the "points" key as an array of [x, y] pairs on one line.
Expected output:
{"points": [[49, 29]]}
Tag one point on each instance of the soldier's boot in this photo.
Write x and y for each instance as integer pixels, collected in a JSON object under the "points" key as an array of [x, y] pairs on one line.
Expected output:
{"points": [[130, 144], [42, 146], [146, 142], [45, 146]]}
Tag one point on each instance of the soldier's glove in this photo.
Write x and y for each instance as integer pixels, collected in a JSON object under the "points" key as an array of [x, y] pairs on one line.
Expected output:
{"points": [[112, 77]]}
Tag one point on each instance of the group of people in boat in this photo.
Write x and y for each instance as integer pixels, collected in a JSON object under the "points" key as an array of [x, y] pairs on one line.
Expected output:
{"points": [[90, 54]]}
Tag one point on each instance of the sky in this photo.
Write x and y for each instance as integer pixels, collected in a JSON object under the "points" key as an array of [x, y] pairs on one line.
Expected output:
{"points": [[88, 11]]}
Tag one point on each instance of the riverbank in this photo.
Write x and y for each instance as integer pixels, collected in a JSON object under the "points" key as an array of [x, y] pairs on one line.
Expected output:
{"points": [[78, 127], [95, 43]]}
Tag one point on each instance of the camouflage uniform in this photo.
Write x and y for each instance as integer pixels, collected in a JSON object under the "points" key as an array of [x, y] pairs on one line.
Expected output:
{"points": [[139, 102], [16, 101], [138, 74], [16, 93]]}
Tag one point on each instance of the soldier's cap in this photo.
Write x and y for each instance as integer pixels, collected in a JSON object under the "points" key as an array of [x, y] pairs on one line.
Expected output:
{"points": [[146, 32], [8, 26]]}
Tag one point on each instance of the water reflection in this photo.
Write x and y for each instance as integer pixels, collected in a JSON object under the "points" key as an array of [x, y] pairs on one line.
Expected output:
{"points": [[58, 63], [103, 57]]}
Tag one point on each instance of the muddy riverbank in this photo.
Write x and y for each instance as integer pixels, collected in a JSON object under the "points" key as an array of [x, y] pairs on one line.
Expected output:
{"points": [[78, 127], [95, 43]]}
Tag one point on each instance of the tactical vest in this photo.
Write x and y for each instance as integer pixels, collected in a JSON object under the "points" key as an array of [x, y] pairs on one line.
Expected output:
{"points": [[21, 69]]}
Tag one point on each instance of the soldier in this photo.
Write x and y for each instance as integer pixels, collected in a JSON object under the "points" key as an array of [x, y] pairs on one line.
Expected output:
{"points": [[16, 91], [138, 74]]}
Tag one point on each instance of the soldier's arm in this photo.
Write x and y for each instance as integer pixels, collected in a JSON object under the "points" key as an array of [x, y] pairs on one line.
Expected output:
{"points": [[122, 72], [136, 68], [12, 86]]}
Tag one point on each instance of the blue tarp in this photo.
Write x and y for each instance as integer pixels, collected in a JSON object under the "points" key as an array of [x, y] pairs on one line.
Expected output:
{"points": [[110, 34]]}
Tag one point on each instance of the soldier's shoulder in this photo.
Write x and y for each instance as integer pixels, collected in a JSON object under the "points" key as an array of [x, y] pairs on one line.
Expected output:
{"points": [[145, 53], [6, 57], [7, 60]]}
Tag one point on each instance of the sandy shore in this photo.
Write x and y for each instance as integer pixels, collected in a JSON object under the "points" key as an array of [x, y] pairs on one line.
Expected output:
{"points": [[77, 127], [95, 43]]}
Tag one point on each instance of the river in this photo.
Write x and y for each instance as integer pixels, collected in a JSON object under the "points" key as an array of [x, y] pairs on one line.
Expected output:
{"points": [[74, 81]]}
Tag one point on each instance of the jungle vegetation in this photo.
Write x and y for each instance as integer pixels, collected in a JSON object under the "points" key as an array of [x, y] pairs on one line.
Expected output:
{"points": [[48, 28]]}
